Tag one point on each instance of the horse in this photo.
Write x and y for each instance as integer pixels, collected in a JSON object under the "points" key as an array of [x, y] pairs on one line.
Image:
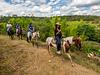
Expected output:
{"points": [[11, 33], [29, 36], [50, 42], [66, 44], [33, 36], [69, 41], [19, 33]]}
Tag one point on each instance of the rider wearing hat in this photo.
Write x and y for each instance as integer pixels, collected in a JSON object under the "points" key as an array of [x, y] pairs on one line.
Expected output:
{"points": [[58, 37], [8, 26]]}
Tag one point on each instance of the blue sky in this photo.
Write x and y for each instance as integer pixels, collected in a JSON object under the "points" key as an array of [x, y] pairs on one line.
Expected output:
{"points": [[49, 7]]}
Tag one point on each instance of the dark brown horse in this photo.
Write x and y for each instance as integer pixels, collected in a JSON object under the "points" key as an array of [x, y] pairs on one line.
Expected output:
{"points": [[11, 33], [19, 33]]}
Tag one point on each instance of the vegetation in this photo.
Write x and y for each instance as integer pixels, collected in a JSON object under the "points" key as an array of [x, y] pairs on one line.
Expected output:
{"points": [[85, 26], [88, 27], [70, 27]]}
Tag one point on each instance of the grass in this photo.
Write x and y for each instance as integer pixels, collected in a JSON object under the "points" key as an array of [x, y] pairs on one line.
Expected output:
{"points": [[11, 61], [80, 57], [14, 61]]}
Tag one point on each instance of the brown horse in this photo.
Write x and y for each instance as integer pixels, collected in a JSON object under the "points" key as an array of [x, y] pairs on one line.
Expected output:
{"points": [[68, 42], [11, 33], [19, 33]]}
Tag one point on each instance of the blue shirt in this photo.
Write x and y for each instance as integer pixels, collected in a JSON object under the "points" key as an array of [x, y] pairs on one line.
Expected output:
{"points": [[17, 26], [30, 28]]}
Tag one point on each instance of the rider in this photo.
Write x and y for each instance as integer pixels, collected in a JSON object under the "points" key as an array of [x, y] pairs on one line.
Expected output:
{"points": [[31, 28], [9, 27], [17, 27], [58, 37]]}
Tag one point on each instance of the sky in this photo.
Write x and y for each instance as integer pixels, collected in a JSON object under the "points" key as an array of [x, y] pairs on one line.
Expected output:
{"points": [[42, 8]]}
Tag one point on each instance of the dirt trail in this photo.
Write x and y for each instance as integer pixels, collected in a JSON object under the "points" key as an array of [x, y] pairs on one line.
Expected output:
{"points": [[34, 61]]}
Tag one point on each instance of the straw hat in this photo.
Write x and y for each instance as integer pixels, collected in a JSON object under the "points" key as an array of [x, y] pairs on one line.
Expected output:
{"points": [[58, 23]]}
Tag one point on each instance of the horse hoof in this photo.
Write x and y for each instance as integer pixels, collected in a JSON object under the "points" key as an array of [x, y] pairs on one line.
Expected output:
{"points": [[73, 65], [49, 61]]}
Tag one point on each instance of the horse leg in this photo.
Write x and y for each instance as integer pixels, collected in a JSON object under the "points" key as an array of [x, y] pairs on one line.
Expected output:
{"points": [[30, 38], [33, 43], [63, 49], [70, 58], [66, 48], [11, 37], [79, 46], [27, 40], [48, 47], [37, 45], [21, 36], [18, 36]]}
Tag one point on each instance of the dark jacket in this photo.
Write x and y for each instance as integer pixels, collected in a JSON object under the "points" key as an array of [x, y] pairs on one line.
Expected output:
{"points": [[58, 33]]}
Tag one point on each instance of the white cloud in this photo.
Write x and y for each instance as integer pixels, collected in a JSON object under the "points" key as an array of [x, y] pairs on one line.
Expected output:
{"points": [[53, 2], [42, 8], [84, 3], [45, 8]]}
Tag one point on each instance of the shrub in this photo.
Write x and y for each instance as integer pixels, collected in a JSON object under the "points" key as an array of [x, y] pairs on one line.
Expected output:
{"points": [[87, 30]]}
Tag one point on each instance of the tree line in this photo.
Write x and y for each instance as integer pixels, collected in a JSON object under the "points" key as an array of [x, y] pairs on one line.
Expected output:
{"points": [[70, 25]]}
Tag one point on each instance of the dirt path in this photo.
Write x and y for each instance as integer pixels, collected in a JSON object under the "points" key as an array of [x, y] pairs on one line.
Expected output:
{"points": [[34, 61]]}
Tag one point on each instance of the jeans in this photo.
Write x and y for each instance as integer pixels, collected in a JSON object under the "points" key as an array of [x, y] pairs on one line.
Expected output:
{"points": [[58, 43]]}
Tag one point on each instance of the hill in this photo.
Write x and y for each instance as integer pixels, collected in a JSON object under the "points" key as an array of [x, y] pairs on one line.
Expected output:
{"points": [[17, 57]]}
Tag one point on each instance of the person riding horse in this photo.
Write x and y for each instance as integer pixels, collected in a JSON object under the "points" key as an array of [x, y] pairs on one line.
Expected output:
{"points": [[9, 27], [31, 30], [17, 28], [19, 31], [9, 30], [58, 37]]}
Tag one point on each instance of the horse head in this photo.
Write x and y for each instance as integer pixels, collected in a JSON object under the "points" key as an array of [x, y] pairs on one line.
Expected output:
{"points": [[77, 42], [35, 34], [38, 34]]}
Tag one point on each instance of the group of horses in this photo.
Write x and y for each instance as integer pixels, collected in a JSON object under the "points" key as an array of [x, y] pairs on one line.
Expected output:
{"points": [[50, 41], [20, 32]]}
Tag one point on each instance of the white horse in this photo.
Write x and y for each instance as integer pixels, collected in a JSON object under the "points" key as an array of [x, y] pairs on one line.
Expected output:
{"points": [[29, 36], [33, 37], [50, 43]]}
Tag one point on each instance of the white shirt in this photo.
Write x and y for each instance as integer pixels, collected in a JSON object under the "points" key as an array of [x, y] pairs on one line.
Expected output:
{"points": [[8, 26]]}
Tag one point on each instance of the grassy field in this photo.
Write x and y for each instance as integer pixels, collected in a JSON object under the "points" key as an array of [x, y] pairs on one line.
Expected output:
{"points": [[17, 57]]}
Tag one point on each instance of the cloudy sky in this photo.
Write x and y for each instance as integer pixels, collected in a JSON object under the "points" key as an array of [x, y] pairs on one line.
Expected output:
{"points": [[49, 7]]}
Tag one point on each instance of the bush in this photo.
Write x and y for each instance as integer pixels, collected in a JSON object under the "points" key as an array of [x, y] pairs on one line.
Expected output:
{"points": [[2, 28], [97, 35], [90, 46], [87, 30]]}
